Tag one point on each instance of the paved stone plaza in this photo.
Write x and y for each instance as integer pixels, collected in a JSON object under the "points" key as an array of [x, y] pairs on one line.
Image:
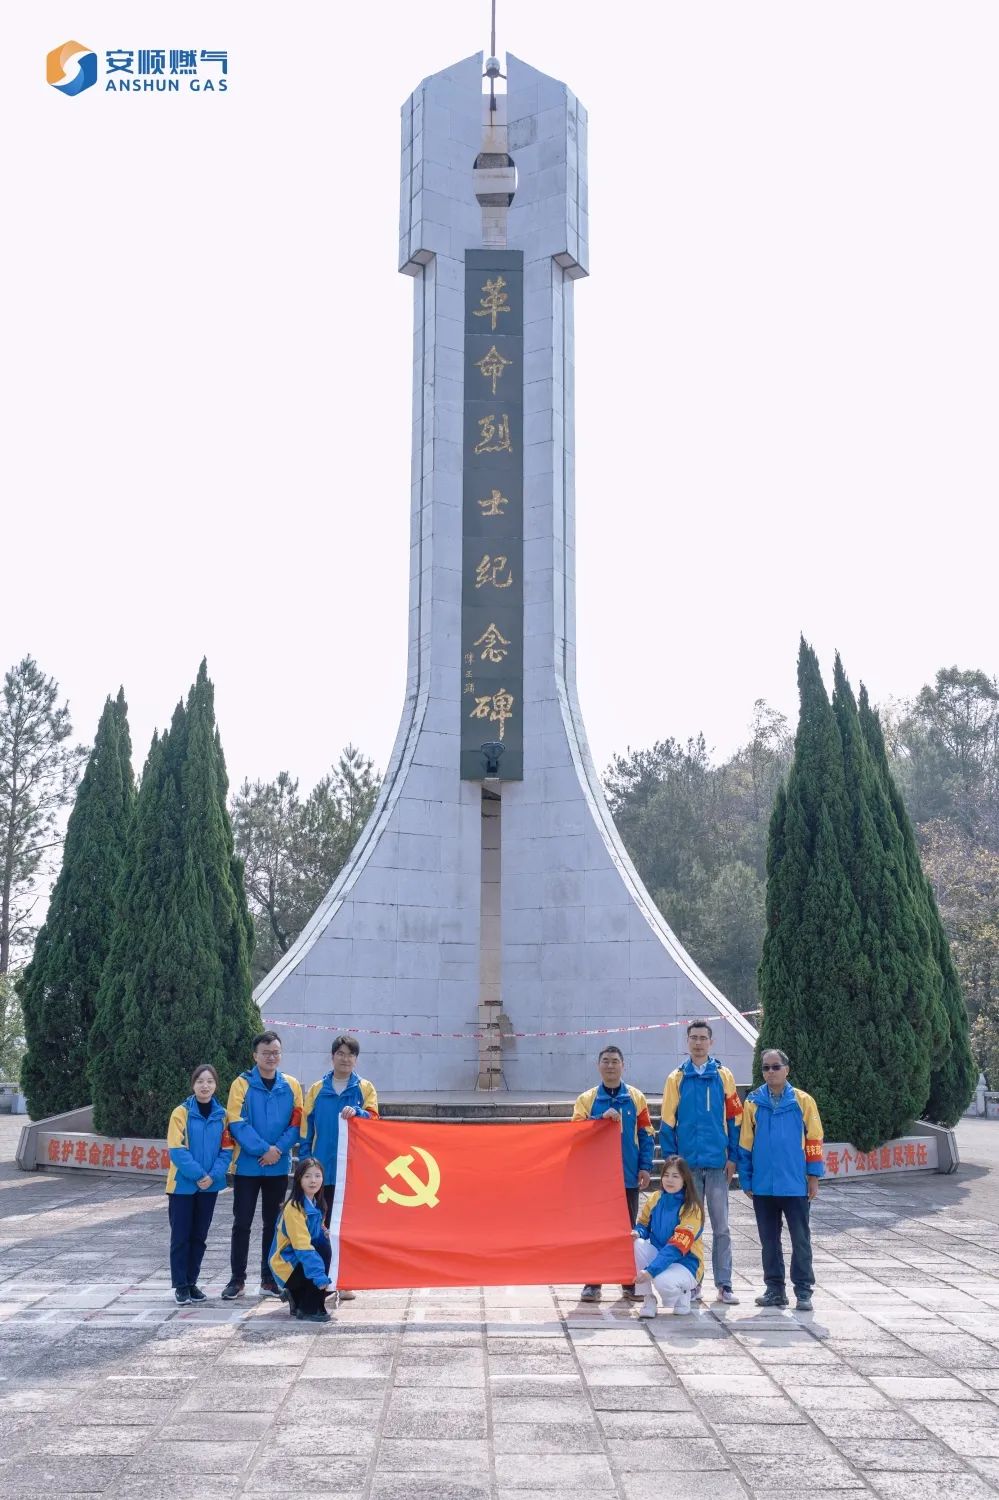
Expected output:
{"points": [[891, 1387]]}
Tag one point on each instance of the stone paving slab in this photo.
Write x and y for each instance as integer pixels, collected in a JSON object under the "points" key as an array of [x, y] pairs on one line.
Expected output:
{"points": [[890, 1389]]}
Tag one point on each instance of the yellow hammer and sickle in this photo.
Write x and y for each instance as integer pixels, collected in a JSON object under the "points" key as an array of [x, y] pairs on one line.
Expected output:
{"points": [[423, 1193]]}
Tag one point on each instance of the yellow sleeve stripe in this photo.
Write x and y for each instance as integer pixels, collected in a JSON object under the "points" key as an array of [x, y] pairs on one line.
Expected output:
{"points": [[234, 1104], [647, 1207], [177, 1129], [671, 1097], [583, 1107]]}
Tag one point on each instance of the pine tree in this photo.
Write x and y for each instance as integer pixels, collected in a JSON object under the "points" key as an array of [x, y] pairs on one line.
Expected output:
{"points": [[953, 1074], [176, 986], [58, 989], [814, 976], [903, 996]]}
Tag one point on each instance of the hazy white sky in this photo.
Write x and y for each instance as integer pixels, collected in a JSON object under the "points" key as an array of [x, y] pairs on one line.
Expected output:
{"points": [[786, 358]]}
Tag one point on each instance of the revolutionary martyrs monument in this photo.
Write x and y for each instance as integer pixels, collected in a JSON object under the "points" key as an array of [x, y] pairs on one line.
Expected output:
{"points": [[490, 892]]}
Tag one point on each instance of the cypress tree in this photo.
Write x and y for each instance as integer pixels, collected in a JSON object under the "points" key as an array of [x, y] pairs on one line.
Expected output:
{"points": [[58, 989], [903, 995], [176, 985], [953, 1074], [814, 976]]}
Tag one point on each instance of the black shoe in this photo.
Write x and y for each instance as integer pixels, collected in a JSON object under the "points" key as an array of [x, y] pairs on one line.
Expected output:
{"points": [[628, 1291], [269, 1287], [316, 1317], [181, 1295], [232, 1290], [803, 1302], [772, 1299], [196, 1294], [591, 1293]]}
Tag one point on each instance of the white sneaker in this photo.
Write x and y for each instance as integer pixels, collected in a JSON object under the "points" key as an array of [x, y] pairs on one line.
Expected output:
{"points": [[681, 1307], [696, 1293], [649, 1308], [726, 1294]]}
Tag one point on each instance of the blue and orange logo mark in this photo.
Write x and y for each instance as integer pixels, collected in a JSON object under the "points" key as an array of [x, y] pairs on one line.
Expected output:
{"points": [[71, 68]]}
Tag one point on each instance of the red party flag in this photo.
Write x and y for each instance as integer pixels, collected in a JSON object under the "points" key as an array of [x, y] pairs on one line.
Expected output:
{"points": [[479, 1205]]}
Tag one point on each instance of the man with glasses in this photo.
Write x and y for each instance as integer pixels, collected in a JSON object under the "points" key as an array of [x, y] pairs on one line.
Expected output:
{"points": [[780, 1163], [264, 1112]]}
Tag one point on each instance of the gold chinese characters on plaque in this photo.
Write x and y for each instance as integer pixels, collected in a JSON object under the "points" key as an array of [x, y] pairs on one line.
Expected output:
{"points": [[493, 302], [492, 365], [495, 646], [494, 435], [496, 707], [494, 505], [494, 572]]}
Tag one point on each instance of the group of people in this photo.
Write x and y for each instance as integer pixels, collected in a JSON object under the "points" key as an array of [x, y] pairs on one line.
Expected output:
{"points": [[708, 1136], [772, 1142], [265, 1118]]}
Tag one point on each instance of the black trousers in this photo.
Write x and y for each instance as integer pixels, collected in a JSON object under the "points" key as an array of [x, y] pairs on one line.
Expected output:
{"points": [[632, 1196], [245, 1191], [794, 1212], [303, 1294], [190, 1221], [329, 1191]]}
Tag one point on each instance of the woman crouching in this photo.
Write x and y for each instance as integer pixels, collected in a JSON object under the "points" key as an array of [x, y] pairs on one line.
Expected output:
{"points": [[669, 1258], [301, 1252]]}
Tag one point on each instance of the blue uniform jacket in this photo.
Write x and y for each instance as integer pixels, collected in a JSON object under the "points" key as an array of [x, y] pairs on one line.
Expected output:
{"points": [[675, 1231], [701, 1115], [781, 1143], [260, 1117], [298, 1232], [321, 1118], [638, 1139], [198, 1148]]}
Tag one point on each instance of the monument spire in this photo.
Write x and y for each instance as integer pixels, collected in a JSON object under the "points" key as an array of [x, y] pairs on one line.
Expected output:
{"points": [[492, 61], [489, 918]]}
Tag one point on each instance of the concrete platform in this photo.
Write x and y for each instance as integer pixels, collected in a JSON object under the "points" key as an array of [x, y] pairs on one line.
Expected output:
{"points": [[891, 1387], [472, 1105]]}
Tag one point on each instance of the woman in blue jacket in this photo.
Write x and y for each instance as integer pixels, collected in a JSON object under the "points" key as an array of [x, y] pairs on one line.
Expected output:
{"points": [[669, 1258], [301, 1252], [200, 1152]]}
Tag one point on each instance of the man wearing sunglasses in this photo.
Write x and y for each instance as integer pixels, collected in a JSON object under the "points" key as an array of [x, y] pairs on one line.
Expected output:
{"points": [[780, 1163]]}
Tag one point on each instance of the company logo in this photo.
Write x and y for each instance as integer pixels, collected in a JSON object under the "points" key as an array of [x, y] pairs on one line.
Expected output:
{"points": [[71, 68], [422, 1193]]}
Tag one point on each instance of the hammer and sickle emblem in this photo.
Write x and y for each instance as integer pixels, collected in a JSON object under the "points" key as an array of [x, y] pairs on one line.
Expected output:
{"points": [[422, 1193]]}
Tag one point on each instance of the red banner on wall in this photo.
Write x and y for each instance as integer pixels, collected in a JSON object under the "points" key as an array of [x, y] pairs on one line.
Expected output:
{"points": [[479, 1205]]}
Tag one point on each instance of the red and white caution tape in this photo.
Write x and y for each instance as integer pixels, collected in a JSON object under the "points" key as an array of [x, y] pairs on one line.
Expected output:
{"points": [[480, 1035]]}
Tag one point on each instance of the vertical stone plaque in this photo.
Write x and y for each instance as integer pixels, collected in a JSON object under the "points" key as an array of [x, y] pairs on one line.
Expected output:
{"points": [[492, 594]]}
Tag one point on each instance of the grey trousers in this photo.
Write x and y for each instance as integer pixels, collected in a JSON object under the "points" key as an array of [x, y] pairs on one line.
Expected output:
{"points": [[712, 1184]]}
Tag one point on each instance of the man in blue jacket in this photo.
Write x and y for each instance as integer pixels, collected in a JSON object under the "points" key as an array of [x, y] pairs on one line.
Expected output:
{"points": [[613, 1099], [701, 1117], [341, 1094], [264, 1111], [780, 1163]]}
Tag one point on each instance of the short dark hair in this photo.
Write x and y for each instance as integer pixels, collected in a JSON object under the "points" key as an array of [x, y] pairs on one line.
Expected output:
{"points": [[350, 1042], [611, 1047], [204, 1068], [266, 1036], [699, 1026], [785, 1060]]}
